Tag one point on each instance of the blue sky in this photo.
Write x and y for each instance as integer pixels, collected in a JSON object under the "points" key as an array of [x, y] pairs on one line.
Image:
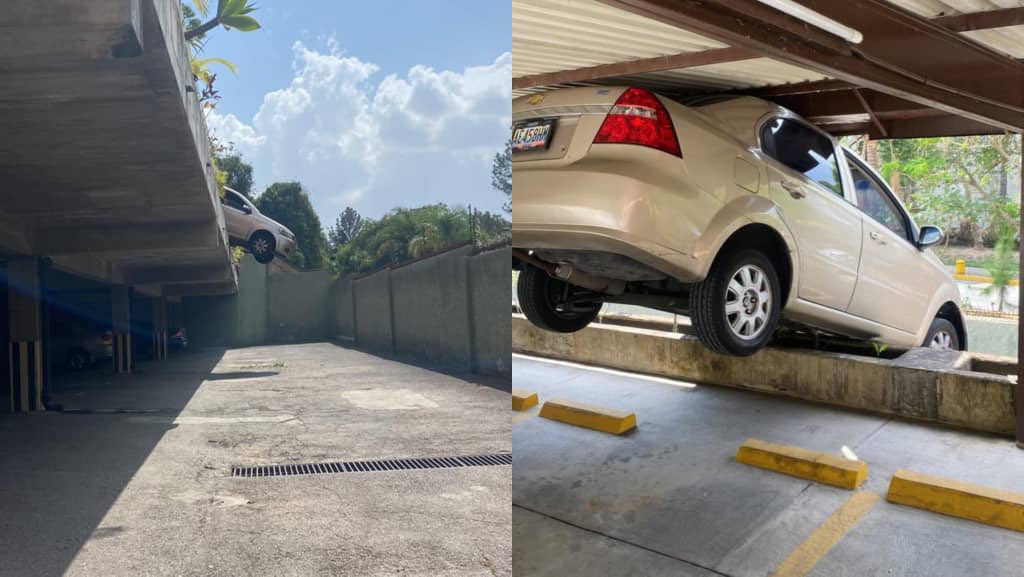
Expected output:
{"points": [[373, 104]]}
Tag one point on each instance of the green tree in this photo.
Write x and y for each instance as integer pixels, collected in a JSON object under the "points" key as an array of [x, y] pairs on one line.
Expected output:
{"points": [[346, 227], [288, 203], [239, 173], [403, 234], [501, 174], [1002, 266]]}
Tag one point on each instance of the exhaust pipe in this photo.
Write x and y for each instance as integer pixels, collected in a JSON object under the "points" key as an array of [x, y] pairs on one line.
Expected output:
{"points": [[565, 272]]}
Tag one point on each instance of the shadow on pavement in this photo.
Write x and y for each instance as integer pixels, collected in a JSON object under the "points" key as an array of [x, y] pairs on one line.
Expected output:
{"points": [[61, 473]]}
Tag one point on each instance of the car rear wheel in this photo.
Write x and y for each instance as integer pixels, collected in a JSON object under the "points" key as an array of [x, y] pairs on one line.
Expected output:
{"points": [[736, 308], [549, 304], [262, 245], [942, 336]]}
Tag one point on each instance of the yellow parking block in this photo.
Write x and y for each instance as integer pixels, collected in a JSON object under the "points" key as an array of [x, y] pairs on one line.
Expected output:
{"points": [[958, 499], [797, 462], [589, 416], [522, 400]]}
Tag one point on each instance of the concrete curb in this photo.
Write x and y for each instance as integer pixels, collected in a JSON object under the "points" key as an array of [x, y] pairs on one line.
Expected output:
{"points": [[921, 384], [796, 462], [958, 499], [589, 416], [523, 400]]}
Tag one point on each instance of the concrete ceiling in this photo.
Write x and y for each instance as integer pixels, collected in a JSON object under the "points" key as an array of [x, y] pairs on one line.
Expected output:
{"points": [[105, 164]]}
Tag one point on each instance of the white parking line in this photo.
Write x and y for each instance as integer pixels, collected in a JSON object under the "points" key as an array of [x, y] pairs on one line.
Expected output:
{"points": [[675, 383]]}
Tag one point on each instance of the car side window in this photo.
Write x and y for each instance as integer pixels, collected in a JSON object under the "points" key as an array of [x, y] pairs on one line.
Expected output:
{"points": [[234, 202], [876, 203], [803, 149]]}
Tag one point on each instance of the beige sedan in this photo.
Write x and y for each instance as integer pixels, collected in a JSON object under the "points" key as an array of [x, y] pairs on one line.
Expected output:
{"points": [[732, 210]]}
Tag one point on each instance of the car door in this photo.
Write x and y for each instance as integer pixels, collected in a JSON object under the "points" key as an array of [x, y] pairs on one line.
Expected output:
{"points": [[807, 185], [893, 286], [237, 218]]}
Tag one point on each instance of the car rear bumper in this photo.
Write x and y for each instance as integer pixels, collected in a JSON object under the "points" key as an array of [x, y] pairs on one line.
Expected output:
{"points": [[599, 211]]}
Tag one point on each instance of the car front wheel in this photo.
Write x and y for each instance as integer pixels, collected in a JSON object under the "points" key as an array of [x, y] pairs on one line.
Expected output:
{"points": [[942, 335], [736, 308], [262, 245], [552, 304]]}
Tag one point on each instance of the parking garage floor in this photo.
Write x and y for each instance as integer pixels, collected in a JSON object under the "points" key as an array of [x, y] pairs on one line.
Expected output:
{"points": [[133, 479], [670, 499]]}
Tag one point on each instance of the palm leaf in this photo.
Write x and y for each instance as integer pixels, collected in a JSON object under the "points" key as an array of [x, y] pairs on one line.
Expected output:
{"points": [[202, 65], [202, 6], [242, 23]]}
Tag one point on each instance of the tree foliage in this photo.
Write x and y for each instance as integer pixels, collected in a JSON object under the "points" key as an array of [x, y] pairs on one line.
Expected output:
{"points": [[288, 204], [959, 184], [405, 234], [501, 174], [238, 173], [345, 228]]}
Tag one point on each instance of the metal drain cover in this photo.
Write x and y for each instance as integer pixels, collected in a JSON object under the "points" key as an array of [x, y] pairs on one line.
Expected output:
{"points": [[375, 466]]}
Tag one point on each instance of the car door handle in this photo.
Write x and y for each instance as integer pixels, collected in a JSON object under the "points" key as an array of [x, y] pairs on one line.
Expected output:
{"points": [[877, 237], [794, 189]]}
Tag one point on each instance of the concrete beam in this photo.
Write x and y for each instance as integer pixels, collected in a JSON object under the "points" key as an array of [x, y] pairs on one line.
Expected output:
{"points": [[161, 236], [178, 274], [175, 292], [93, 30]]}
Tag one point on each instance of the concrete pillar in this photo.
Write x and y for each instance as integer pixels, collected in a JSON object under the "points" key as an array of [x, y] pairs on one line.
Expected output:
{"points": [[25, 348], [121, 313], [159, 328]]}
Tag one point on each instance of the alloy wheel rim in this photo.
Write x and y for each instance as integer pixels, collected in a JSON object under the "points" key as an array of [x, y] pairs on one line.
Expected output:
{"points": [[942, 340], [260, 246], [748, 300]]}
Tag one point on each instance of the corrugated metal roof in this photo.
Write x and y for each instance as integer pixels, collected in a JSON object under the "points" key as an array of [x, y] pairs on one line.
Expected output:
{"points": [[1008, 40], [556, 35]]}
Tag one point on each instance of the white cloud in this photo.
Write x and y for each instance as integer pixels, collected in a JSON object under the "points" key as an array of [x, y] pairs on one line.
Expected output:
{"points": [[423, 137]]}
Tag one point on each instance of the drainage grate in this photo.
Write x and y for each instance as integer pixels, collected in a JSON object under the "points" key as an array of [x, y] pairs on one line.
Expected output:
{"points": [[374, 466]]}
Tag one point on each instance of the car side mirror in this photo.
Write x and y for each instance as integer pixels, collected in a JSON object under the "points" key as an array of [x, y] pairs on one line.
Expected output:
{"points": [[247, 209], [929, 236]]}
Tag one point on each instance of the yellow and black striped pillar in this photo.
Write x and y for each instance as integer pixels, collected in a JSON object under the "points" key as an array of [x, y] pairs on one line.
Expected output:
{"points": [[123, 352], [26, 376]]}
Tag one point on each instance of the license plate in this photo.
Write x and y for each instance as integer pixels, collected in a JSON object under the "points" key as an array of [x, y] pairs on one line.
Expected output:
{"points": [[534, 135]]}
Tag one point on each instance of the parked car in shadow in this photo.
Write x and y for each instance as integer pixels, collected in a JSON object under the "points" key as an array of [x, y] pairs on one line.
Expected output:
{"points": [[78, 343]]}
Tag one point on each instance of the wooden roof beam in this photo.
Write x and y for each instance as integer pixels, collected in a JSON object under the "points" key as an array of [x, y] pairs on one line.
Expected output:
{"points": [[982, 20]]}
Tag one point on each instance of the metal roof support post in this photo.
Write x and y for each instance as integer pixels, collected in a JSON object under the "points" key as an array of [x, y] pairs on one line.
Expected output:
{"points": [[1020, 324]]}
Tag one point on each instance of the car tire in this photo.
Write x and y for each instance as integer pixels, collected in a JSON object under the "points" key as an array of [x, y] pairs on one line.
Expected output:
{"points": [[942, 335], [729, 309], [78, 359], [536, 291], [263, 246]]}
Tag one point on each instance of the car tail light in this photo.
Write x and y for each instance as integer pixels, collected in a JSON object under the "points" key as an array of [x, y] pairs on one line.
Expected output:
{"points": [[638, 117], [107, 338]]}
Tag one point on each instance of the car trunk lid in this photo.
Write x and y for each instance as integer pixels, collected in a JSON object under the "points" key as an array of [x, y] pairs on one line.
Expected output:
{"points": [[572, 116]]}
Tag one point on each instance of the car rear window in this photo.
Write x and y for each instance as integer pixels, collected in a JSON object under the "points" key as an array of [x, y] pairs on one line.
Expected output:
{"points": [[803, 149]]}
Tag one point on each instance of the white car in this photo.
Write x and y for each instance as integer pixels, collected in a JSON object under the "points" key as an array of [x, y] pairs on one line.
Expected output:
{"points": [[262, 235]]}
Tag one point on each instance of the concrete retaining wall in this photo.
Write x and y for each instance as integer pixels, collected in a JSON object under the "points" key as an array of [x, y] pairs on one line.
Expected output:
{"points": [[446, 310], [298, 307], [922, 384], [431, 308], [344, 313], [373, 312], [488, 277]]}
